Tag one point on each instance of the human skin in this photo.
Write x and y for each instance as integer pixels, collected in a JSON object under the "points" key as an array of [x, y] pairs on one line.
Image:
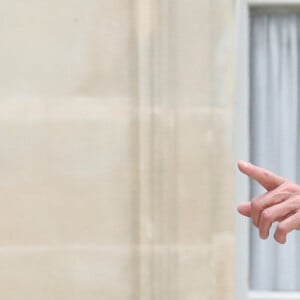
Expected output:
{"points": [[280, 203]]}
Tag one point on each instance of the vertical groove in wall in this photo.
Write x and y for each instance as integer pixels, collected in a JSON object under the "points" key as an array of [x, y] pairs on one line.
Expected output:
{"points": [[157, 112], [144, 32], [165, 216], [135, 151], [211, 162], [222, 194]]}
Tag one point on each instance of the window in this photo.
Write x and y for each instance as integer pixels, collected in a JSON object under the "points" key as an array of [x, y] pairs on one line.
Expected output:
{"points": [[269, 109]]}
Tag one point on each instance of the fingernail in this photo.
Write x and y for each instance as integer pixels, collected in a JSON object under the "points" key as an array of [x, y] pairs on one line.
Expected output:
{"points": [[263, 236], [243, 164], [280, 240]]}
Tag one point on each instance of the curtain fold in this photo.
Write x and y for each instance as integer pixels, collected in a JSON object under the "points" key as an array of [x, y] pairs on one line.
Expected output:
{"points": [[274, 117]]}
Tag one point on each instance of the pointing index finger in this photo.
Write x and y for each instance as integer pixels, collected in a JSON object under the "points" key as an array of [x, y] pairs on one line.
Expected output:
{"points": [[264, 177]]}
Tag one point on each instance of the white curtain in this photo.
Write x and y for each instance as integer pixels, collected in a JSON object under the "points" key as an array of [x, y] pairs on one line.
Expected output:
{"points": [[274, 110]]}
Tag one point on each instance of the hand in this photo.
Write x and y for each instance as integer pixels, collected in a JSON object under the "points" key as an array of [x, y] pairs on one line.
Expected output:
{"points": [[280, 203]]}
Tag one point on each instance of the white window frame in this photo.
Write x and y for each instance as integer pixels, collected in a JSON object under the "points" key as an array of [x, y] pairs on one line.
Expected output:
{"points": [[243, 291]]}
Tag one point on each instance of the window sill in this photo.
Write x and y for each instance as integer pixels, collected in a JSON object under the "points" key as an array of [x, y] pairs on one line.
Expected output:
{"points": [[274, 295]]}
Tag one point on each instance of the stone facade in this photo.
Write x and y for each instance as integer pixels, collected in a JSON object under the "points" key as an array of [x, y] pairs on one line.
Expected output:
{"points": [[117, 158]]}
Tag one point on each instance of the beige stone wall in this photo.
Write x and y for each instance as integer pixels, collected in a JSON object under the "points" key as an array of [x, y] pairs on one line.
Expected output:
{"points": [[117, 161]]}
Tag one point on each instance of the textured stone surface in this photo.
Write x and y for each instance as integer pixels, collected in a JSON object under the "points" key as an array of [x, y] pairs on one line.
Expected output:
{"points": [[117, 175], [195, 272], [194, 177], [65, 273], [223, 256]]}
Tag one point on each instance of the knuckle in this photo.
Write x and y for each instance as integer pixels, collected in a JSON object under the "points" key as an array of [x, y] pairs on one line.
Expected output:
{"points": [[286, 186], [256, 206], [295, 190], [289, 187], [294, 202], [267, 215], [282, 229]]}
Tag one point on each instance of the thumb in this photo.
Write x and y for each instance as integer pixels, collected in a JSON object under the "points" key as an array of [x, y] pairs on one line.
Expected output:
{"points": [[244, 209], [264, 177]]}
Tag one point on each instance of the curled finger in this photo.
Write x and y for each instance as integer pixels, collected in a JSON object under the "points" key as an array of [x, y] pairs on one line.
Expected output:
{"points": [[292, 222], [275, 213], [269, 199]]}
